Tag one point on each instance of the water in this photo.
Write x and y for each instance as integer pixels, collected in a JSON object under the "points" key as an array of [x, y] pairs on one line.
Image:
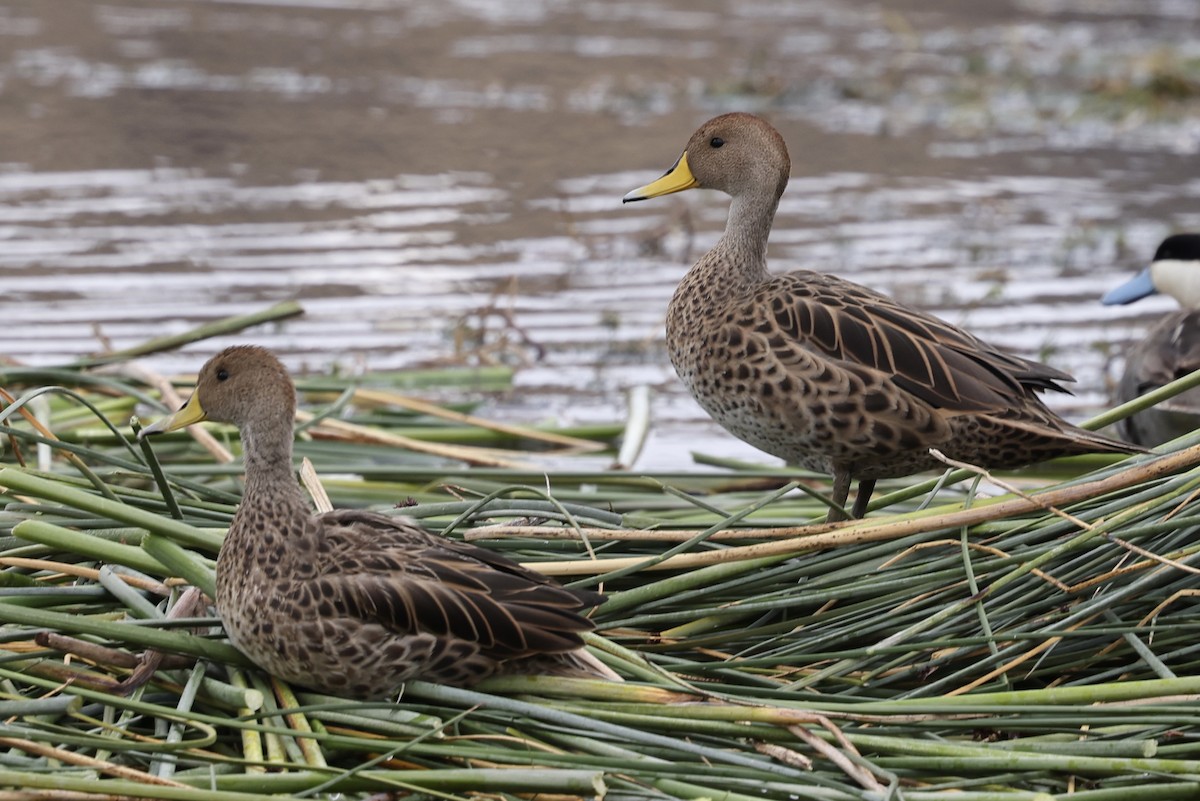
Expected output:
{"points": [[440, 182]]}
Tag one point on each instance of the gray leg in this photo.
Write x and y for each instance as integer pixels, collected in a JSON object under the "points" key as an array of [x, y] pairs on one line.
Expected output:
{"points": [[841, 489], [865, 487]]}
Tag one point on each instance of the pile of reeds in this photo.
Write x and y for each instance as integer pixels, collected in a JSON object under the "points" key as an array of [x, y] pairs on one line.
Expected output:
{"points": [[1026, 646]]}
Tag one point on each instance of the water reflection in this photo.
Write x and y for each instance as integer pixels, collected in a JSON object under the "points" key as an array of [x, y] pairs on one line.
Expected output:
{"points": [[408, 169]]}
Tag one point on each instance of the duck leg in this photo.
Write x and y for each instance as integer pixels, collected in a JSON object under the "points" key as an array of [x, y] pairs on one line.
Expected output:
{"points": [[865, 487], [841, 489]]}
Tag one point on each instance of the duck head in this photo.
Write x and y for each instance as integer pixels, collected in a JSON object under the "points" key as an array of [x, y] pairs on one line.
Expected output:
{"points": [[1174, 271], [735, 153], [240, 385]]}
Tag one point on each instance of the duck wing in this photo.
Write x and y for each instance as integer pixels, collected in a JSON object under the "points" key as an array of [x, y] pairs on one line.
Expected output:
{"points": [[1170, 350], [399, 576], [932, 360]]}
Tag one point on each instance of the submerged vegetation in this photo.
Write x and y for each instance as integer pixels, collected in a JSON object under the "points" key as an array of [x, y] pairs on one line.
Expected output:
{"points": [[1040, 644]]}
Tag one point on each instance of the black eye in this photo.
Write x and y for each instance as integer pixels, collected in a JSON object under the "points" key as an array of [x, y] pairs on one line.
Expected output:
{"points": [[222, 374], [716, 141]]}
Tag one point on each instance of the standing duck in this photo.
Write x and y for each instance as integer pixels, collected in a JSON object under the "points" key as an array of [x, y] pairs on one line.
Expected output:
{"points": [[830, 375], [1170, 350], [354, 603]]}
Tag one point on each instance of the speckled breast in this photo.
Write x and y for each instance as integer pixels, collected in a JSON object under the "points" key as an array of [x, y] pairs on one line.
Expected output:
{"points": [[794, 404]]}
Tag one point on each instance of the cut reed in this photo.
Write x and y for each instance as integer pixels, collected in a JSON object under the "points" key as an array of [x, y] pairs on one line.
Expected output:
{"points": [[1036, 645]]}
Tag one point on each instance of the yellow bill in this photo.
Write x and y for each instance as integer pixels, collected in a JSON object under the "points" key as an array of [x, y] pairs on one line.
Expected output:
{"points": [[677, 179], [191, 413]]}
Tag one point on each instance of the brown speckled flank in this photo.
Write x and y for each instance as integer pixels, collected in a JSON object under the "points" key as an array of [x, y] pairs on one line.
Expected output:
{"points": [[353, 603], [827, 374]]}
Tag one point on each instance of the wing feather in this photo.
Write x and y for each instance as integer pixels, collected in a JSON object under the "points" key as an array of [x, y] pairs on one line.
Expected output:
{"points": [[409, 581], [937, 363]]}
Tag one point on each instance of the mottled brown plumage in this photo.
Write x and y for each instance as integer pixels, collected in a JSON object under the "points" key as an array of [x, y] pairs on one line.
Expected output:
{"points": [[827, 374], [353, 603]]}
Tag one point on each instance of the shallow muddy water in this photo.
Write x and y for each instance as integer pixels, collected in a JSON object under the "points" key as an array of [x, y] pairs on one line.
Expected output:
{"points": [[440, 182]]}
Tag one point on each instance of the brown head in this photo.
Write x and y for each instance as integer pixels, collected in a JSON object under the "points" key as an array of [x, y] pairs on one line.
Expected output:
{"points": [[738, 154], [244, 385]]}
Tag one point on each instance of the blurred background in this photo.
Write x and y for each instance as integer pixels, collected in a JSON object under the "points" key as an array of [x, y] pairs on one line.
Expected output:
{"points": [[438, 181]]}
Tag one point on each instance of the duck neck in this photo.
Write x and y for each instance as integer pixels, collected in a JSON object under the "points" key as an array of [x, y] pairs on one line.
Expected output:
{"points": [[743, 246], [267, 452]]}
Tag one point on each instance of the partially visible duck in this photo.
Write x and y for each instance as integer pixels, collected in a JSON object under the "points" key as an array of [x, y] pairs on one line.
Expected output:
{"points": [[1170, 349], [354, 603], [827, 374]]}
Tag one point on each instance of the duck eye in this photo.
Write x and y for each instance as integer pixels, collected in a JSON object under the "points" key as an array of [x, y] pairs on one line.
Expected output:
{"points": [[716, 141], [222, 374]]}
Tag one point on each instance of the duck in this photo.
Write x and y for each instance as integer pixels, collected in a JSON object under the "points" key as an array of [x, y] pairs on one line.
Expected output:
{"points": [[354, 603], [830, 375], [1170, 349]]}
